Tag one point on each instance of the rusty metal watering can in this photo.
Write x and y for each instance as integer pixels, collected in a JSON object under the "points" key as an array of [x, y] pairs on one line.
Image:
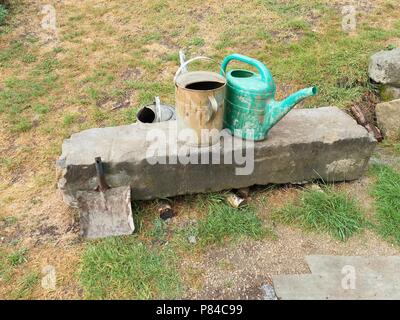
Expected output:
{"points": [[250, 106], [199, 99]]}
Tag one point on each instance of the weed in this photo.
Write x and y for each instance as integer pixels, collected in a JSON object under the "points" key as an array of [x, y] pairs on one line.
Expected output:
{"points": [[196, 41], [224, 222], [151, 37], [3, 14], [99, 115], [159, 230], [13, 51], [387, 198], [73, 35], [41, 109], [22, 125], [78, 17], [29, 58], [26, 286], [324, 211], [263, 34], [5, 269], [130, 115], [150, 65], [9, 221], [69, 119], [18, 257], [58, 50], [293, 7], [172, 57], [227, 39], [126, 268], [47, 66]]}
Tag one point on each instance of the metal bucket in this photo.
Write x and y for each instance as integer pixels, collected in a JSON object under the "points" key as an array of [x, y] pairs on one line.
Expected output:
{"points": [[199, 97], [156, 112]]}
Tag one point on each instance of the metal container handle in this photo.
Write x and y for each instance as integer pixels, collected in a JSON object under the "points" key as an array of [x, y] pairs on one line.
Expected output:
{"points": [[185, 64], [212, 107]]}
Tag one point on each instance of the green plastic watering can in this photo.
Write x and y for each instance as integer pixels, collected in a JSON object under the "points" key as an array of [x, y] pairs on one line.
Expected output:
{"points": [[250, 106]]}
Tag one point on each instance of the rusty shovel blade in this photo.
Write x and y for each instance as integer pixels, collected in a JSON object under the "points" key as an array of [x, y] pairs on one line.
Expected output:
{"points": [[106, 212]]}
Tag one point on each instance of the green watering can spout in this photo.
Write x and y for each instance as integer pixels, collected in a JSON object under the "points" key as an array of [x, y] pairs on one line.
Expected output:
{"points": [[278, 109], [250, 106]]}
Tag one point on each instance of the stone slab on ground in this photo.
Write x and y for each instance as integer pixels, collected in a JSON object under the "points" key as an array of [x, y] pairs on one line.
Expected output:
{"points": [[335, 264], [384, 67], [388, 118], [331, 287], [308, 144], [341, 278]]}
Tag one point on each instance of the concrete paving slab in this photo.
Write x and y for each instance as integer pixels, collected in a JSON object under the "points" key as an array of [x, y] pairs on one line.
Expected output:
{"points": [[337, 287], [335, 264]]}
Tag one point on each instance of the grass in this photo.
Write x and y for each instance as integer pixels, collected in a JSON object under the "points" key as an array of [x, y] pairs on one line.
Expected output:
{"points": [[324, 211], [18, 257], [223, 222], [26, 286], [21, 125], [159, 230], [10, 261], [41, 109], [196, 41], [3, 14], [387, 201], [69, 119], [126, 268], [5, 267], [47, 94]]}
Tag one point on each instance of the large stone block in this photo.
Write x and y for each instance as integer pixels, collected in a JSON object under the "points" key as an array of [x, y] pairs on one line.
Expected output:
{"points": [[388, 118], [323, 143], [384, 67]]}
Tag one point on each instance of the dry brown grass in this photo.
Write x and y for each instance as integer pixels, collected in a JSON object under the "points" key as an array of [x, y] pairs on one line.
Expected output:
{"points": [[103, 45]]}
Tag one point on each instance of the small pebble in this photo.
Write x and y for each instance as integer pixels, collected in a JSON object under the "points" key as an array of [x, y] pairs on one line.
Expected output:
{"points": [[269, 292], [192, 239]]}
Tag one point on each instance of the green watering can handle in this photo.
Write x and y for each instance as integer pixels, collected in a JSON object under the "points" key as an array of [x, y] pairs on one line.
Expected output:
{"points": [[264, 72]]}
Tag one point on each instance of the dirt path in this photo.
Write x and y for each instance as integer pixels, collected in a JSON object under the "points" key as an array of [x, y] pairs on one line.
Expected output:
{"points": [[238, 272]]}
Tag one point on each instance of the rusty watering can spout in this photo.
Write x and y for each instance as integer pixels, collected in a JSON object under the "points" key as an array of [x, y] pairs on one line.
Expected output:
{"points": [[278, 109]]}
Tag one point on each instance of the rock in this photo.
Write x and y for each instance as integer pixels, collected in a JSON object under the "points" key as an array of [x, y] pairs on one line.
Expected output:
{"points": [[243, 192], [315, 187], [389, 93], [234, 200], [388, 118], [384, 67], [192, 240], [268, 292], [308, 144], [166, 212]]}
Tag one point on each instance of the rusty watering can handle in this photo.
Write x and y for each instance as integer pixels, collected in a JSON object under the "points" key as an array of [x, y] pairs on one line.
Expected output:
{"points": [[184, 65], [264, 72], [212, 107]]}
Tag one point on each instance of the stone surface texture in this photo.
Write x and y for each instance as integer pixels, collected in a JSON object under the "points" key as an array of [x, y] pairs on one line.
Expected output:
{"points": [[389, 93], [341, 278], [388, 118], [308, 144], [384, 67]]}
